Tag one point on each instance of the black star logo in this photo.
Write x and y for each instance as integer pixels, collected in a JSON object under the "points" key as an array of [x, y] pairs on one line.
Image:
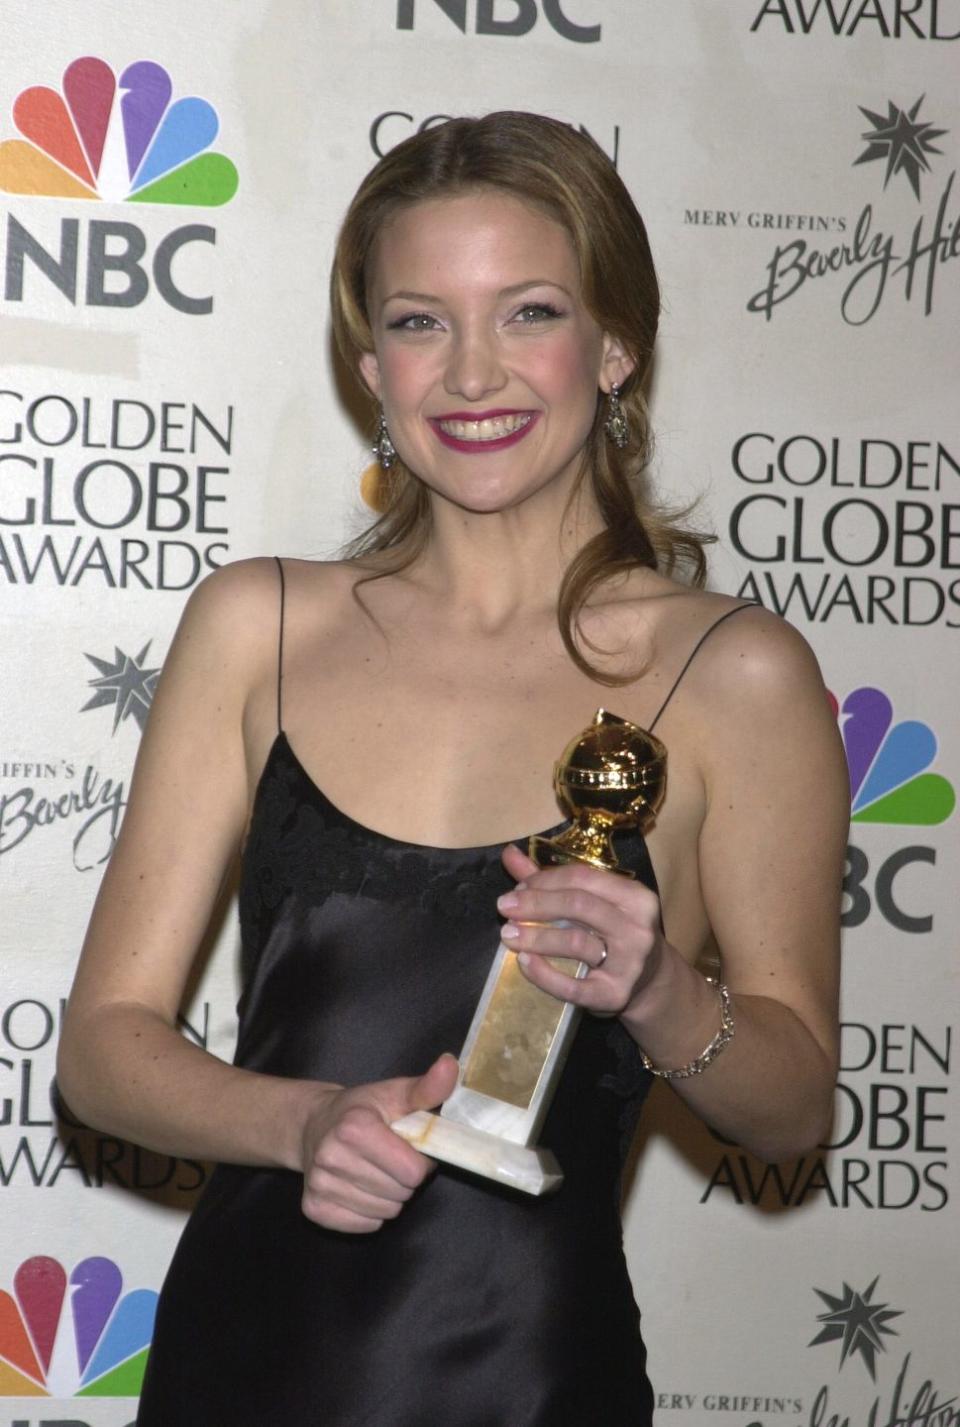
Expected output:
{"points": [[125, 683], [860, 1324], [902, 141]]}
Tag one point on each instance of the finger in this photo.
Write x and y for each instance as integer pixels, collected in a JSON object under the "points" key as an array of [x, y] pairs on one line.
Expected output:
{"points": [[427, 1091], [575, 943], [623, 892], [334, 1193], [399, 1097], [337, 1165], [517, 862], [573, 905], [593, 992], [364, 1143], [333, 1216]]}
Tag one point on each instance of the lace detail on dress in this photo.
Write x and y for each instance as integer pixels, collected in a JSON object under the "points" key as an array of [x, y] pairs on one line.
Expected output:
{"points": [[630, 1082], [630, 1076], [306, 845]]}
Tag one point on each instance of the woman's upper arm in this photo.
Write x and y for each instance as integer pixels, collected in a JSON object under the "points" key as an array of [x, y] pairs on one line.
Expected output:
{"points": [[188, 799], [772, 843]]}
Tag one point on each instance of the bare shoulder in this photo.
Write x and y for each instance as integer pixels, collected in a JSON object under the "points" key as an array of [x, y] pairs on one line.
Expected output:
{"points": [[232, 595], [234, 614], [750, 650], [753, 709], [771, 716], [747, 659], [226, 629], [319, 590], [328, 575]]}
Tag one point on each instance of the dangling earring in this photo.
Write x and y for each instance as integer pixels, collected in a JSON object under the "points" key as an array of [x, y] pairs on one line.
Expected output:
{"points": [[383, 447], [616, 425]]}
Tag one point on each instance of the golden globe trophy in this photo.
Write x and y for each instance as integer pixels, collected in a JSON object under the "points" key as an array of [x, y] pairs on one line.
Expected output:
{"points": [[611, 776]]}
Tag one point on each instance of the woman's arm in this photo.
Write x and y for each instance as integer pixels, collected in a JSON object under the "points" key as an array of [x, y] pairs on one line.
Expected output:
{"points": [[770, 859], [123, 1066]]}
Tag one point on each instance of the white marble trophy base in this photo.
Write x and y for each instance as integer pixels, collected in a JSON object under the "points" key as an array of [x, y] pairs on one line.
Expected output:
{"points": [[509, 1067], [531, 1170]]}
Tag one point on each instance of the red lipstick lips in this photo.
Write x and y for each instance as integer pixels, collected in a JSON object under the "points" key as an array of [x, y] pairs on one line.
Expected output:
{"points": [[478, 446]]}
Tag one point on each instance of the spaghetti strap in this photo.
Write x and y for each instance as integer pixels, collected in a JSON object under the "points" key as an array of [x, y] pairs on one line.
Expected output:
{"points": [[283, 600], [693, 654]]}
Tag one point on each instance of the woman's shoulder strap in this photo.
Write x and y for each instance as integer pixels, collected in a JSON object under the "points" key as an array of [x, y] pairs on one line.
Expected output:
{"points": [[283, 601], [694, 652]]}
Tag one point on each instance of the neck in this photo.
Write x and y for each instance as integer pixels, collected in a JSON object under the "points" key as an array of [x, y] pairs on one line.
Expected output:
{"points": [[490, 569]]}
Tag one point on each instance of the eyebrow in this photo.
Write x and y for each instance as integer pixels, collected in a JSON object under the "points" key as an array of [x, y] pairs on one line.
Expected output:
{"points": [[504, 291]]}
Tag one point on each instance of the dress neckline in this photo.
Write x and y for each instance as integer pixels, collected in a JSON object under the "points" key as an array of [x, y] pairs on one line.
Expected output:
{"points": [[282, 741]]}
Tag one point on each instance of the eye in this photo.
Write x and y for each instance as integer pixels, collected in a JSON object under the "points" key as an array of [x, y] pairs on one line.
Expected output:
{"points": [[535, 312], [413, 322]]}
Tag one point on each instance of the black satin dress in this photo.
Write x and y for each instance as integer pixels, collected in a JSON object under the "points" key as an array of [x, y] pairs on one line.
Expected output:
{"points": [[364, 958]]}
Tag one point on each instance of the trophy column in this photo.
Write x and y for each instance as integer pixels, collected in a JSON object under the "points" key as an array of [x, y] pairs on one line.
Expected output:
{"points": [[612, 775]]}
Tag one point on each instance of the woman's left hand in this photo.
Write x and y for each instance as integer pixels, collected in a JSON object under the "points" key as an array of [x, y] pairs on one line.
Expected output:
{"points": [[615, 930]]}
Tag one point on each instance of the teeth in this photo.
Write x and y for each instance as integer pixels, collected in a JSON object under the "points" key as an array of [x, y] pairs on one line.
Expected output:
{"points": [[490, 429]]}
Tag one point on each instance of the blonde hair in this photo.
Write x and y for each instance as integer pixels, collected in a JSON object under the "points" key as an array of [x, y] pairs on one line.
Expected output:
{"points": [[551, 165]]}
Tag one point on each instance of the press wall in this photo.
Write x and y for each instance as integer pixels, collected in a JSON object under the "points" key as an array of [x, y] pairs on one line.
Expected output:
{"points": [[169, 402]]}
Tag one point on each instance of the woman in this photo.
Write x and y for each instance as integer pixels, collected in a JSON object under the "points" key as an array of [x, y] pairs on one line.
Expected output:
{"points": [[494, 291]]}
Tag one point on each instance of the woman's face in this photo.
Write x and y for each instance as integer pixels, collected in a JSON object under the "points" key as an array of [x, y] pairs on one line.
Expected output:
{"points": [[486, 360]]}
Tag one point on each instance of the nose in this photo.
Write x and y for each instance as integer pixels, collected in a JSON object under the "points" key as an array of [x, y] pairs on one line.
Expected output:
{"points": [[475, 366]]}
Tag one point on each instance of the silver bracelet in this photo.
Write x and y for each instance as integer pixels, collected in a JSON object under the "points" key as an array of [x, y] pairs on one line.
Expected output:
{"points": [[710, 1052]]}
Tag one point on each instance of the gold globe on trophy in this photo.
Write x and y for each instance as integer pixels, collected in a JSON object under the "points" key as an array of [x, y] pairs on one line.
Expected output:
{"points": [[612, 776]]}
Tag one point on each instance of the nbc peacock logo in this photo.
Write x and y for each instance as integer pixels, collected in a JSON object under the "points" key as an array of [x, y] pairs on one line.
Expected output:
{"points": [[117, 140], [80, 1336], [888, 763]]}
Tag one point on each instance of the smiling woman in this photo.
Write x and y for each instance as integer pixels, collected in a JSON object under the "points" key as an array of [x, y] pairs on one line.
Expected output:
{"points": [[525, 354], [375, 732], [567, 204]]}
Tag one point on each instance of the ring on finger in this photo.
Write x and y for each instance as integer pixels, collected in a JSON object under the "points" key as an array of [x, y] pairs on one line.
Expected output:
{"points": [[603, 952]]}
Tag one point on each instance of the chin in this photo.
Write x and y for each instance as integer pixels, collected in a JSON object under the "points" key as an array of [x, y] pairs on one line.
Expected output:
{"points": [[477, 496]]}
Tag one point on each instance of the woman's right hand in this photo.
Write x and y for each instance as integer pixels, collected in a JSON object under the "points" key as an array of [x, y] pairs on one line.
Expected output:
{"points": [[357, 1170]]}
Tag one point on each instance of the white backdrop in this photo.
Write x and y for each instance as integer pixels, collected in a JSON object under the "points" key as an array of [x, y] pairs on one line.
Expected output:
{"points": [[168, 402]]}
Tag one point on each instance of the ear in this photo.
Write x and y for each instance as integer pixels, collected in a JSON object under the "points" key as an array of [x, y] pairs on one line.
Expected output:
{"points": [[616, 363], [370, 371]]}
